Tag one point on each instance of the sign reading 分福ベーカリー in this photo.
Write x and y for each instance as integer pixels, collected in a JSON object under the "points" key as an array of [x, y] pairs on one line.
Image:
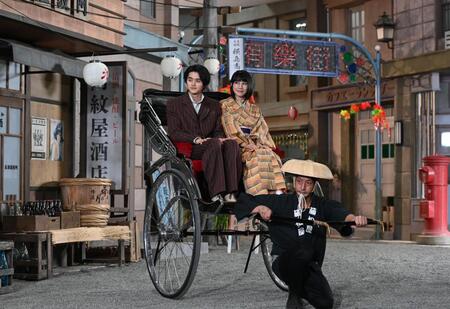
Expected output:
{"points": [[335, 97]]}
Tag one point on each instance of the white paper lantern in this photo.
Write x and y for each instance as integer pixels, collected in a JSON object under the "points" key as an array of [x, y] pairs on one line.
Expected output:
{"points": [[95, 73], [171, 66], [213, 65]]}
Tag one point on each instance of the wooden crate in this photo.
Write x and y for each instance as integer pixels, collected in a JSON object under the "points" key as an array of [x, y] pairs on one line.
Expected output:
{"points": [[38, 264], [70, 219], [25, 223], [16, 224], [54, 223], [7, 247]]}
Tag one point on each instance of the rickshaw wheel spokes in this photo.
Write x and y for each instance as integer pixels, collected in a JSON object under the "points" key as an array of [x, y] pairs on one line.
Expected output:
{"points": [[266, 249], [171, 253]]}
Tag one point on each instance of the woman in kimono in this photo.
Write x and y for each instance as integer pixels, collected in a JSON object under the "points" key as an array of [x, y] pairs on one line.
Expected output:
{"points": [[244, 122]]}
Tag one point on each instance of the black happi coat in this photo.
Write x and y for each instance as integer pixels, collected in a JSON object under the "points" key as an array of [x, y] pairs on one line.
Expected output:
{"points": [[286, 236]]}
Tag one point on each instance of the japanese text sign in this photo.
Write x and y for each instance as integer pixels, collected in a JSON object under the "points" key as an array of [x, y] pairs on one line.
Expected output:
{"points": [[282, 56], [104, 155]]}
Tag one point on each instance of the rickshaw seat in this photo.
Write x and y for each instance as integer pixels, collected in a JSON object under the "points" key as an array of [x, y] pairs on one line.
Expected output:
{"points": [[185, 149]]}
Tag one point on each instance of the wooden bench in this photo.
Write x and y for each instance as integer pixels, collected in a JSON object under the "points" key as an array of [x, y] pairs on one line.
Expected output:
{"points": [[68, 237], [38, 265]]}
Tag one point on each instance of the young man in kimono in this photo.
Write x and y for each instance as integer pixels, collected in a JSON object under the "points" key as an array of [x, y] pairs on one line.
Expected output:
{"points": [[299, 248]]}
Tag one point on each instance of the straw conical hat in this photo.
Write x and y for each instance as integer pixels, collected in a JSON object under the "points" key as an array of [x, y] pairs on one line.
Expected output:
{"points": [[307, 168]]}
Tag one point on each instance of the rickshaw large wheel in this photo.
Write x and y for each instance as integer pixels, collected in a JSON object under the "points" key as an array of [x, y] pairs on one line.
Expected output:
{"points": [[266, 249], [172, 234]]}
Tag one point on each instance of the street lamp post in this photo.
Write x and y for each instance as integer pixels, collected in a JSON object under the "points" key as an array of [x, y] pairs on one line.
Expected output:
{"points": [[378, 145], [385, 29], [376, 64]]}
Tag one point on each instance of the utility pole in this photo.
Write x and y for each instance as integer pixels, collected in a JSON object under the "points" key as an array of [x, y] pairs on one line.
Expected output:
{"points": [[210, 36]]}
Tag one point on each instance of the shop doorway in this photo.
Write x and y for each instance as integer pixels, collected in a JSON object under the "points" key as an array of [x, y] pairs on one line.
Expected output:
{"points": [[335, 151], [365, 162], [10, 149]]}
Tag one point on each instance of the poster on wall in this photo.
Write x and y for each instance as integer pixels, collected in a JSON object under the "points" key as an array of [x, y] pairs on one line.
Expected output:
{"points": [[11, 168], [3, 119], [104, 134], [57, 141], [39, 138]]}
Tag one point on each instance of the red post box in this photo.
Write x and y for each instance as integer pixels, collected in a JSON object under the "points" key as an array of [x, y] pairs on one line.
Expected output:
{"points": [[433, 209]]}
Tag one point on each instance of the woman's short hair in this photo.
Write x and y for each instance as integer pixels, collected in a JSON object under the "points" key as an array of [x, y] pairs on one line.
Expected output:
{"points": [[242, 76], [202, 72]]}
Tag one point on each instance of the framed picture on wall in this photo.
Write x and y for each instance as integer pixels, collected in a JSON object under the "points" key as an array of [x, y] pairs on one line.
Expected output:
{"points": [[56, 140], [39, 137]]}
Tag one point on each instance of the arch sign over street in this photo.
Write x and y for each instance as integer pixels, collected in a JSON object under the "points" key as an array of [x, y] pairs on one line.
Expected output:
{"points": [[282, 56]]}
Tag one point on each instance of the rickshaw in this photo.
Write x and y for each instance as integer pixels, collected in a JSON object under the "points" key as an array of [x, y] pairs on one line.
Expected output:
{"points": [[172, 223], [175, 202]]}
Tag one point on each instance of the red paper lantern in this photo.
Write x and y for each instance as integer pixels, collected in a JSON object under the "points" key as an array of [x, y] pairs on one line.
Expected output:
{"points": [[292, 113], [223, 40]]}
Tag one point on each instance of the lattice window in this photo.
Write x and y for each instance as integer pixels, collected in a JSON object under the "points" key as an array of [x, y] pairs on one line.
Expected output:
{"points": [[357, 23], [148, 8]]}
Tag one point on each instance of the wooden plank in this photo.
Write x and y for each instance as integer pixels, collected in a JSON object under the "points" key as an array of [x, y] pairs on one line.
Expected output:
{"points": [[133, 241], [6, 245], [116, 220], [82, 234], [134, 252], [30, 262], [137, 242], [7, 272], [119, 209]]}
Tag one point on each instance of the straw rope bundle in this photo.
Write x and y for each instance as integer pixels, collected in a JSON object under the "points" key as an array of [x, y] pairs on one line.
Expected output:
{"points": [[93, 214]]}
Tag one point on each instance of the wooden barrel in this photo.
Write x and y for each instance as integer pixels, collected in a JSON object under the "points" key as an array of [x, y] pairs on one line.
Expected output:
{"points": [[89, 196]]}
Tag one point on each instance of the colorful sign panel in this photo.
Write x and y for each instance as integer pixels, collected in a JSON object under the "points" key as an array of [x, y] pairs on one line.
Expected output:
{"points": [[282, 56]]}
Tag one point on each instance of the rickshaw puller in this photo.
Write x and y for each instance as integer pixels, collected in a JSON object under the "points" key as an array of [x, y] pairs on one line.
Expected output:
{"points": [[300, 248]]}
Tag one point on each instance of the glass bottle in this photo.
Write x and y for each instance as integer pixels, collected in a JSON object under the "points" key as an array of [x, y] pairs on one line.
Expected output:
{"points": [[4, 265]]}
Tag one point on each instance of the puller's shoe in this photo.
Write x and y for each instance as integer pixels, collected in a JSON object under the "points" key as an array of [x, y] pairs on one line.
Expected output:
{"points": [[294, 301]]}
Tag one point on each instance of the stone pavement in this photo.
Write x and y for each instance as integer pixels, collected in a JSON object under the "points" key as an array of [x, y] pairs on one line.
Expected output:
{"points": [[362, 274]]}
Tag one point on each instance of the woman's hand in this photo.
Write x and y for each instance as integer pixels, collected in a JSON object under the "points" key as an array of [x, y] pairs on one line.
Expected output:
{"points": [[200, 140], [222, 139], [251, 147]]}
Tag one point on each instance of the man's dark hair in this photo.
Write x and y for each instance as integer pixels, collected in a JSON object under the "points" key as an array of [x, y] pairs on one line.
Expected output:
{"points": [[242, 76], [202, 72]]}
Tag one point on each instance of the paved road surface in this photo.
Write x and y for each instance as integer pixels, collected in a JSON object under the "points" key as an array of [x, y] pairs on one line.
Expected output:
{"points": [[361, 274]]}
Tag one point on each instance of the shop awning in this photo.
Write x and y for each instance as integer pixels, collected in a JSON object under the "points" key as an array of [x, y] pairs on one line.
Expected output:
{"points": [[137, 38], [56, 62]]}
